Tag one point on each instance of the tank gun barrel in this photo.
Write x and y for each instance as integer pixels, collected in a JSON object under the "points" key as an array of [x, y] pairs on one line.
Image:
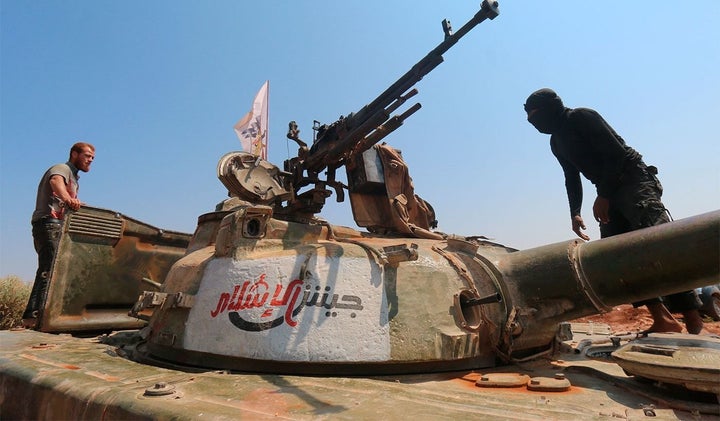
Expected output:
{"points": [[567, 280]]}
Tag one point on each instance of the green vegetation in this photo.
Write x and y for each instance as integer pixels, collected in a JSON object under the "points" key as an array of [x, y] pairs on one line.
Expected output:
{"points": [[14, 294]]}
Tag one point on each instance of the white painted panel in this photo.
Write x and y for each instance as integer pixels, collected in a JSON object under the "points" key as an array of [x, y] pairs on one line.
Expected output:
{"points": [[245, 309]]}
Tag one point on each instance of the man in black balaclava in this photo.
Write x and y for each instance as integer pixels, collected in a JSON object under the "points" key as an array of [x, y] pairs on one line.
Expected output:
{"points": [[628, 192]]}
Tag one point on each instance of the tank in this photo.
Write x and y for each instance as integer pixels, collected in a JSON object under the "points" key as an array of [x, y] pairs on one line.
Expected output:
{"points": [[269, 311]]}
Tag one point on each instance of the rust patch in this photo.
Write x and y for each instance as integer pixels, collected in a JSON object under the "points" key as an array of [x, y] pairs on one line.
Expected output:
{"points": [[102, 376], [470, 377], [260, 399], [503, 380], [51, 363], [468, 381]]}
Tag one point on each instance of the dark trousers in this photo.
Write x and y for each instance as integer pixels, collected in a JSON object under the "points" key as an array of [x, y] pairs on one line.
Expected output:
{"points": [[46, 236], [636, 204]]}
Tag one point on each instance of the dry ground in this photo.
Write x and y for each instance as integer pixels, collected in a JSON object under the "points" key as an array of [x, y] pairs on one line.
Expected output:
{"points": [[625, 318]]}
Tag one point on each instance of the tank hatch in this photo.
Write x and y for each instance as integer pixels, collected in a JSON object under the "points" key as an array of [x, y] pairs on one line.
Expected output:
{"points": [[691, 361]]}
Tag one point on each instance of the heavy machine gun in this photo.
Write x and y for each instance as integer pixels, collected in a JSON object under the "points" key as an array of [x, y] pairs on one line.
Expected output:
{"points": [[299, 192], [337, 143]]}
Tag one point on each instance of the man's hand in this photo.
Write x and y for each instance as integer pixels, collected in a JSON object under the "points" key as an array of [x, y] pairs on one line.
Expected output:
{"points": [[600, 210], [73, 204], [577, 225]]}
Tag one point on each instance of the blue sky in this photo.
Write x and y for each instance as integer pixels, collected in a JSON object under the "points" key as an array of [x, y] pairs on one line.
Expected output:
{"points": [[158, 85]]}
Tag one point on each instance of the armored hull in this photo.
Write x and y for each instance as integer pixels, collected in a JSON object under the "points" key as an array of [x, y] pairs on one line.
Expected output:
{"points": [[69, 377]]}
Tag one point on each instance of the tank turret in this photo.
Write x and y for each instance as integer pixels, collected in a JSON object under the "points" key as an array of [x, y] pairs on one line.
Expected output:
{"points": [[263, 294]]}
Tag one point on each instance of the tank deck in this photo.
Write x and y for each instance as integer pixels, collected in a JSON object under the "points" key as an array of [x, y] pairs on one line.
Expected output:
{"points": [[46, 376]]}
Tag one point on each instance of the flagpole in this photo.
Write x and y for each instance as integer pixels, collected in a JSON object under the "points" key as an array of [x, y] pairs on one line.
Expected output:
{"points": [[267, 122]]}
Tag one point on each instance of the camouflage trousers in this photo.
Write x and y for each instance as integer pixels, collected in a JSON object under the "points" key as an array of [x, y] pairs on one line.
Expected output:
{"points": [[637, 204]]}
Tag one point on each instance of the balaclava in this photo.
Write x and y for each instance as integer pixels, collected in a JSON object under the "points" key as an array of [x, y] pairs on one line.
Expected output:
{"points": [[549, 108]]}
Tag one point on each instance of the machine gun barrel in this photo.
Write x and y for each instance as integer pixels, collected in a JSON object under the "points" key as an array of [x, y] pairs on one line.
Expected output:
{"points": [[488, 10], [344, 135], [382, 131], [334, 151]]}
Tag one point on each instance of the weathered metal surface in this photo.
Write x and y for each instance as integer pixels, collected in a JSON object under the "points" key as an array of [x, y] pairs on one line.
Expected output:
{"points": [[503, 380], [689, 360], [295, 300], [304, 298], [564, 281], [82, 379], [558, 383], [98, 270]]}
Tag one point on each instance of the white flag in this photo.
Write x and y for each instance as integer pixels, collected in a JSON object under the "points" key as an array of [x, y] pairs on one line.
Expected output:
{"points": [[252, 129]]}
